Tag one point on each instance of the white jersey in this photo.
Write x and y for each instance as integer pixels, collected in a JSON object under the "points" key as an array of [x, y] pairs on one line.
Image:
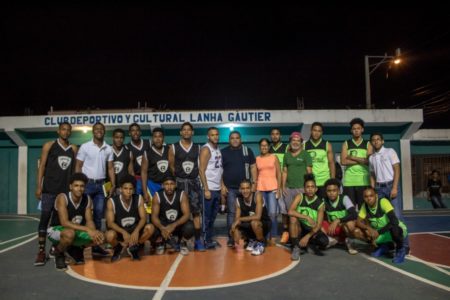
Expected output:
{"points": [[214, 168]]}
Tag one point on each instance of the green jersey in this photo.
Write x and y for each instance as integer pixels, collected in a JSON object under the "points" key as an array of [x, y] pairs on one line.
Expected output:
{"points": [[335, 209], [377, 216], [357, 175], [319, 156], [309, 208], [279, 152]]}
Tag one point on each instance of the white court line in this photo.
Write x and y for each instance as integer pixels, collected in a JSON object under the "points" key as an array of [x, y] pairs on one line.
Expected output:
{"points": [[427, 232], [20, 244], [435, 284], [165, 283], [430, 264], [17, 217], [442, 236], [17, 238]]}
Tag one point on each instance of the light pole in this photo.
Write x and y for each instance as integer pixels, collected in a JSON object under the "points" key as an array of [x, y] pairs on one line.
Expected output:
{"points": [[369, 69]]}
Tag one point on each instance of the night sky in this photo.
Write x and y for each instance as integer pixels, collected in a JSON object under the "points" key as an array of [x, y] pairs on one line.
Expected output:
{"points": [[222, 57]]}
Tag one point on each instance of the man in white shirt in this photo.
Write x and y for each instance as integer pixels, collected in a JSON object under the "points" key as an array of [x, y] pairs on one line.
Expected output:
{"points": [[95, 160], [384, 166]]}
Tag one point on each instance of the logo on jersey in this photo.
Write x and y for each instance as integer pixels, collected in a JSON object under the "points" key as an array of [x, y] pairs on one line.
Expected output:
{"points": [[251, 213], [128, 222], [162, 165], [118, 166], [353, 153], [171, 214], [77, 219], [312, 154], [188, 166], [64, 162], [139, 160]]}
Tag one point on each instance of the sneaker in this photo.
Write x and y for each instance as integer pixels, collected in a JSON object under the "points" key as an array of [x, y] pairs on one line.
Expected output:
{"points": [[172, 245], [199, 246], [350, 247], [60, 261], [160, 249], [210, 245], [399, 256], [316, 250], [41, 258], [258, 249], [117, 252], [284, 237], [250, 245], [99, 251], [230, 243], [184, 248], [331, 242], [51, 253], [133, 252], [76, 254], [380, 251], [295, 254]]}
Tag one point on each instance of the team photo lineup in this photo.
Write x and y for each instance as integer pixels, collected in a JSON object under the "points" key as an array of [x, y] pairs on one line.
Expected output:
{"points": [[115, 198]]}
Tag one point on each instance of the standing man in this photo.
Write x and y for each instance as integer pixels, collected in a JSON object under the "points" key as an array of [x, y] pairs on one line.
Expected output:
{"points": [[155, 167], [138, 147], [55, 167], [355, 157], [95, 160], [183, 162], [123, 158], [211, 177], [238, 163], [384, 168], [321, 152], [296, 164]]}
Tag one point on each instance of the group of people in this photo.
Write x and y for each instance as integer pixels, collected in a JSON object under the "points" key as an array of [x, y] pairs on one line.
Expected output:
{"points": [[171, 194]]}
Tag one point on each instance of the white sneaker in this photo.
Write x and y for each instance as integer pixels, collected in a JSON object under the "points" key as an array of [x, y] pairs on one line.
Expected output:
{"points": [[184, 250], [160, 249], [250, 245], [350, 248], [258, 249], [331, 242]]}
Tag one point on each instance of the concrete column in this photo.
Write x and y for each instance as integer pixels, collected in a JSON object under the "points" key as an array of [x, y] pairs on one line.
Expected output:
{"points": [[407, 191]]}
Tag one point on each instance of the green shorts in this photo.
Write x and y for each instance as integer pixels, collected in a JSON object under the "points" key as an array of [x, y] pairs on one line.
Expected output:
{"points": [[82, 238], [387, 237]]}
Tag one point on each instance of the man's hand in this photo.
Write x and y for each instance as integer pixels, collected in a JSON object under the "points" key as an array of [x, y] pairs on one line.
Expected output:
{"points": [[333, 226], [134, 238], [38, 193], [207, 194], [96, 236], [394, 193], [304, 241], [235, 225], [311, 222], [146, 198]]}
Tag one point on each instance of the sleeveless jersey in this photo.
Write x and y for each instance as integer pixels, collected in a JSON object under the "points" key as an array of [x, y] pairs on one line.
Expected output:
{"points": [[309, 208], [214, 168], [357, 175], [378, 217], [158, 164], [137, 153], [75, 213], [319, 156], [120, 162], [279, 152], [127, 218], [169, 211], [335, 210], [186, 160], [58, 168], [250, 210]]}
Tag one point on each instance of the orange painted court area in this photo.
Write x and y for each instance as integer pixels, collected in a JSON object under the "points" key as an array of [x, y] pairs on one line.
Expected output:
{"points": [[198, 269], [431, 248]]}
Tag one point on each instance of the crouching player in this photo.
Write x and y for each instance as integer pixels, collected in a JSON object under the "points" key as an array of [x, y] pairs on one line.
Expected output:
{"points": [[341, 216], [72, 226], [170, 216], [306, 216], [125, 216], [380, 226], [251, 221]]}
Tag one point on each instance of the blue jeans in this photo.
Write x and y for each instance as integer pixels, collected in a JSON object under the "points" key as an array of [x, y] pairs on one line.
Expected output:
{"points": [[271, 203], [231, 208], [385, 192], [211, 208], [95, 191]]}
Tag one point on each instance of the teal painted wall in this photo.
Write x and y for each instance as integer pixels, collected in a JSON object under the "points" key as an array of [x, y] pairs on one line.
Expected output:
{"points": [[420, 148], [34, 154], [8, 179]]}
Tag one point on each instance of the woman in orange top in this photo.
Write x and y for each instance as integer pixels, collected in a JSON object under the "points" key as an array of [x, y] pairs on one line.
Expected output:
{"points": [[269, 182]]}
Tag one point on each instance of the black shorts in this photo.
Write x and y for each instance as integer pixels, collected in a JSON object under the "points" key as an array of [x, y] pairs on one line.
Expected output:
{"points": [[130, 231], [246, 229], [356, 194], [194, 192]]}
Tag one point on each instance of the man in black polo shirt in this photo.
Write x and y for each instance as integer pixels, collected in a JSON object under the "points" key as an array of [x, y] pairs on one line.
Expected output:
{"points": [[238, 163]]}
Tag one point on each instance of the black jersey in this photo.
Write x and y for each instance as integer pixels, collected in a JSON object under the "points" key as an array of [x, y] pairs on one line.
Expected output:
{"points": [[60, 165], [158, 164], [137, 153], [250, 210], [169, 211], [186, 160], [121, 162], [75, 213], [127, 218]]}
